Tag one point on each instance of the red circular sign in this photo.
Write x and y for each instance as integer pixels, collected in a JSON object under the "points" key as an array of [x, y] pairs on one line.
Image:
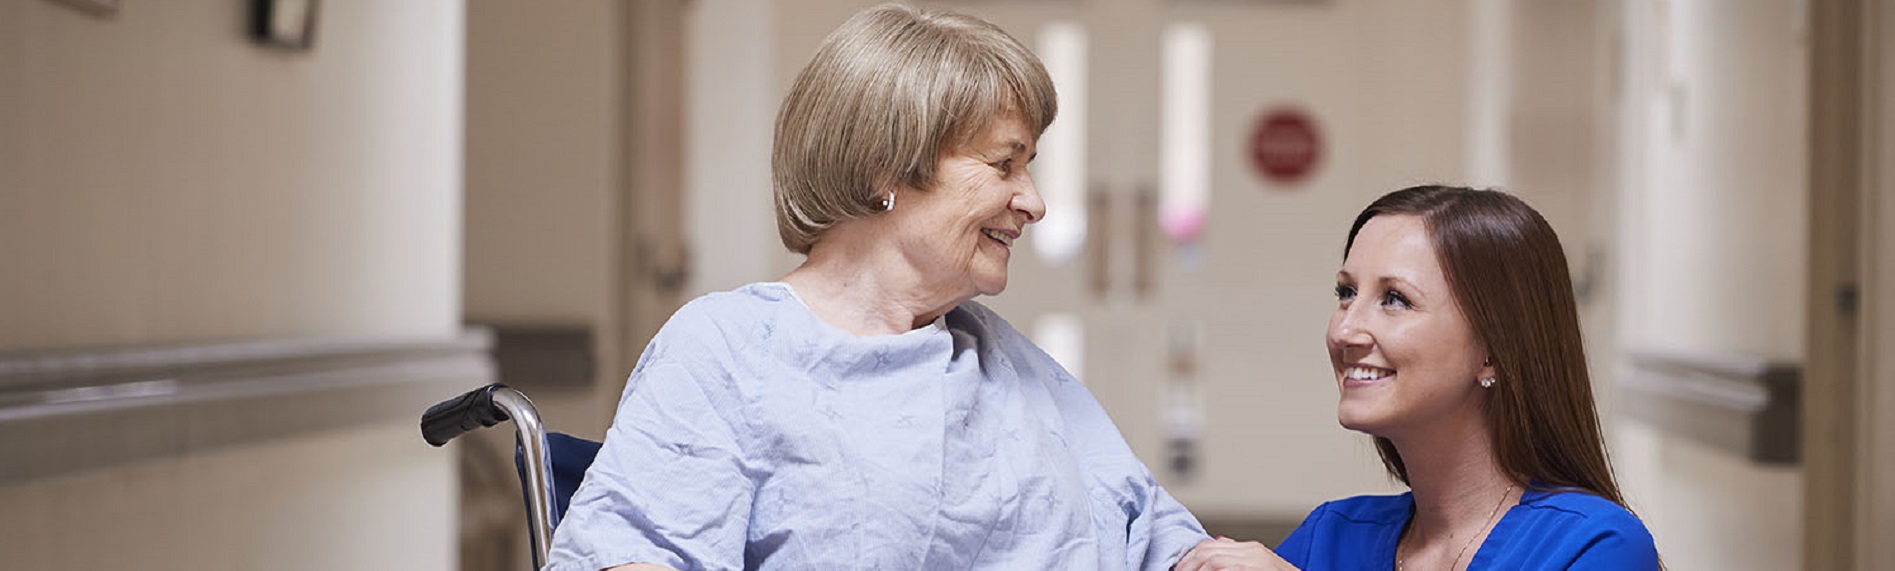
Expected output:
{"points": [[1285, 146]]}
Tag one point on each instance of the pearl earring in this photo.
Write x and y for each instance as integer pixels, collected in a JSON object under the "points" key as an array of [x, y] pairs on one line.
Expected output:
{"points": [[888, 202], [1487, 382]]}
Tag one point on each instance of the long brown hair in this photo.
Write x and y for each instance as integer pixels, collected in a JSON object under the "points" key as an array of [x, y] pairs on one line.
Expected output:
{"points": [[1508, 273]]}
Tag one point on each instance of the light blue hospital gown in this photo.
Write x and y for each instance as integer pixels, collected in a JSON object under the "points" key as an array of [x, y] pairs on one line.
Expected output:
{"points": [[754, 436]]}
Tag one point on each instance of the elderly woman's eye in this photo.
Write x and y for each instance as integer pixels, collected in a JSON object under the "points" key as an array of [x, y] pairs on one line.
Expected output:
{"points": [[1005, 167]]}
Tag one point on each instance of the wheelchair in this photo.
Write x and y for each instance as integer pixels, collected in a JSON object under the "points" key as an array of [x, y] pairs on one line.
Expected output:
{"points": [[550, 465]]}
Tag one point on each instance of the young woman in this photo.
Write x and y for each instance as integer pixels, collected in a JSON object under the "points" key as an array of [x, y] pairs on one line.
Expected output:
{"points": [[1456, 345]]}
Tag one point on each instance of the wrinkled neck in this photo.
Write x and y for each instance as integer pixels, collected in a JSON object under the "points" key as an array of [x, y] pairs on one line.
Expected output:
{"points": [[862, 285]]}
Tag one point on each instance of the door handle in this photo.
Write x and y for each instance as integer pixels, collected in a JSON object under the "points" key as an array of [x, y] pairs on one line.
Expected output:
{"points": [[1098, 241], [1145, 241], [1102, 237]]}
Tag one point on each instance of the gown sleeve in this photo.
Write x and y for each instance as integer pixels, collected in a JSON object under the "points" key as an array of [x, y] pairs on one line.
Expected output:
{"points": [[1162, 533], [668, 487], [1158, 529]]}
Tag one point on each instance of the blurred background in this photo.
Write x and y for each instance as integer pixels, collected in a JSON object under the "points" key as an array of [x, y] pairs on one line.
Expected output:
{"points": [[243, 243]]}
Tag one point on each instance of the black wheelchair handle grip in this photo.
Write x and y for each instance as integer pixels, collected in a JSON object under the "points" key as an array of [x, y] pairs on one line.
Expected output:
{"points": [[455, 416]]}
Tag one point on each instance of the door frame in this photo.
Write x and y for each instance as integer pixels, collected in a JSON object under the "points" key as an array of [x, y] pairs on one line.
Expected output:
{"points": [[1847, 388]]}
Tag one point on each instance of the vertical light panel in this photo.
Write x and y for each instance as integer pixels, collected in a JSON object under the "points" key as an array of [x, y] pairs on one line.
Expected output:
{"points": [[1184, 159], [1060, 171], [1063, 337], [1490, 94]]}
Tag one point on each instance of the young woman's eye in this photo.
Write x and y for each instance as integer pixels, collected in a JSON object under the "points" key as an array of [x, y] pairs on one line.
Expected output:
{"points": [[1344, 292], [1396, 300]]}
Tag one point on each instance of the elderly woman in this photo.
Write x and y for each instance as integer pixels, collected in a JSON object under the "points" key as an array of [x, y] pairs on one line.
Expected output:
{"points": [[863, 413], [1455, 343]]}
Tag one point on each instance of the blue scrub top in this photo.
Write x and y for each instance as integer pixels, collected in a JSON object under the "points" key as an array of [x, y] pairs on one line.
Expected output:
{"points": [[1549, 529]]}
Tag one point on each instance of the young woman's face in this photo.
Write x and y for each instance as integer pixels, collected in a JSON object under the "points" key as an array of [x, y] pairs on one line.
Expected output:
{"points": [[1404, 355], [961, 232]]}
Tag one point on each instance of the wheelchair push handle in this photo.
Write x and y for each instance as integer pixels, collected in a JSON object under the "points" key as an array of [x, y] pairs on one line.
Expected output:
{"points": [[473, 410], [490, 405]]}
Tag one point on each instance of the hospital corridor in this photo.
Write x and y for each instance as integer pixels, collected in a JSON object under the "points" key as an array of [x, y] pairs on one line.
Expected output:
{"points": [[244, 245]]}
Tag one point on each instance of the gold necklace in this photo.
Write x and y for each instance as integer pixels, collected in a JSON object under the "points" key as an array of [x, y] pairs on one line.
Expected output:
{"points": [[1491, 520]]}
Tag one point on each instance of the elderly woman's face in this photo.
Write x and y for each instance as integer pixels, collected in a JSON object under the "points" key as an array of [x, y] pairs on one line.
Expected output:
{"points": [[961, 232], [1405, 357]]}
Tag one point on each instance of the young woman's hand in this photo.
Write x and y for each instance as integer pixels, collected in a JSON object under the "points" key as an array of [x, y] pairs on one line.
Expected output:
{"points": [[1226, 554]]}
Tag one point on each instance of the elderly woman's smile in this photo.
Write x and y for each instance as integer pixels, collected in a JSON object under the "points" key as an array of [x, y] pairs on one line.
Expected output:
{"points": [[1004, 237]]}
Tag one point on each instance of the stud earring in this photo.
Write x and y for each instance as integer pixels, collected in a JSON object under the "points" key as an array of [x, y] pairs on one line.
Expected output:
{"points": [[888, 202], [1487, 382]]}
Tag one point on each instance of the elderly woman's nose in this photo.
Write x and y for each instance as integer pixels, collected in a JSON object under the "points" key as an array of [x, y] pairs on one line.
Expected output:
{"points": [[1028, 200]]}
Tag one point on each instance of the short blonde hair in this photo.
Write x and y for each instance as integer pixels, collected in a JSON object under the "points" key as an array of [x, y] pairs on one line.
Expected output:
{"points": [[886, 95]]}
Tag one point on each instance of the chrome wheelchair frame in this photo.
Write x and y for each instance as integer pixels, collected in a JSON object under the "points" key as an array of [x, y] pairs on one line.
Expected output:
{"points": [[490, 405]]}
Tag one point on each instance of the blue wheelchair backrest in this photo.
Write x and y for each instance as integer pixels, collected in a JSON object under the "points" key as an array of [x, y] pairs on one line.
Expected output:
{"points": [[570, 456]]}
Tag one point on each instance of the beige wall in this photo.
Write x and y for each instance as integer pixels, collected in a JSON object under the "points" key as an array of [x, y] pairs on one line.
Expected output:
{"points": [[1719, 214], [353, 498], [164, 180], [1712, 233], [544, 179], [541, 145], [169, 181], [732, 93]]}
